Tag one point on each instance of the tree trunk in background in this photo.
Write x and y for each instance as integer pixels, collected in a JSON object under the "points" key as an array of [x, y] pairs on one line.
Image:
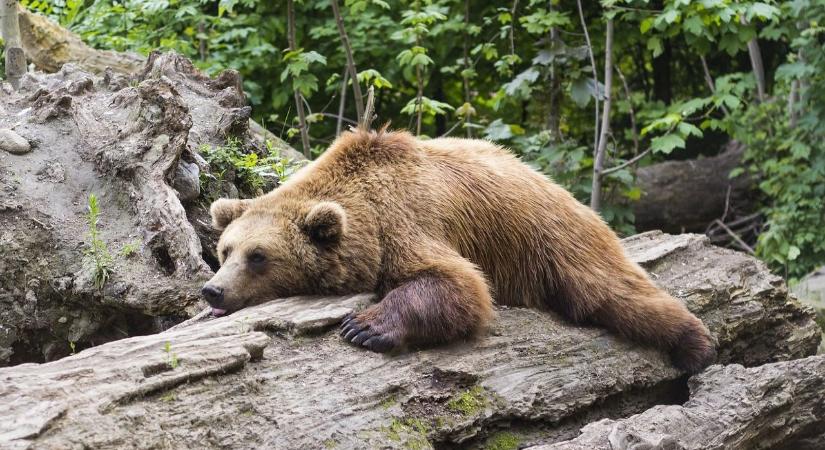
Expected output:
{"points": [[342, 103], [757, 65], [15, 58], [466, 64], [688, 195], [49, 46], [438, 94], [598, 158], [353, 72], [661, 74], [299, 100]]}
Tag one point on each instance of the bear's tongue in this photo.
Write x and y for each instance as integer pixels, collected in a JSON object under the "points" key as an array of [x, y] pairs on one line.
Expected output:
{"points": [[217, 312]]}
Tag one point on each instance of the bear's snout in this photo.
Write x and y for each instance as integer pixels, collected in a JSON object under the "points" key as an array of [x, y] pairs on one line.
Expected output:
{"points": [[214, 296]]}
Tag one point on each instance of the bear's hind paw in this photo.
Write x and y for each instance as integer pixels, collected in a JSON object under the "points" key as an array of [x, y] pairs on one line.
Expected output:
{"points": [[353, 331]]}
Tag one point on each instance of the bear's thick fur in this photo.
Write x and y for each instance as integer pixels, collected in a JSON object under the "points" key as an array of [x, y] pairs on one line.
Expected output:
{"points": [[439, 228]]}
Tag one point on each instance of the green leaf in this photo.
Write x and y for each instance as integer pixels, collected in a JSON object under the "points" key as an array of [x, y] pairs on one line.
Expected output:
{"points": [[688, 129], [654, 44], [793, 252], [580, 92], [646, 25], [667, 143], [694, 25], [762, 10]]}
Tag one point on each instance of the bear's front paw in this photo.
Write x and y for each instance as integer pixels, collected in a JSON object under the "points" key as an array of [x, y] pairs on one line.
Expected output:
{"points": [[365, 333]]}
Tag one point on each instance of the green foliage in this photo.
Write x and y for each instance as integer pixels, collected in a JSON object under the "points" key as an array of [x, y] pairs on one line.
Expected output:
{"points": [[298, 64], [789, 165], [522, 72], [251, 172], [97, 253]]}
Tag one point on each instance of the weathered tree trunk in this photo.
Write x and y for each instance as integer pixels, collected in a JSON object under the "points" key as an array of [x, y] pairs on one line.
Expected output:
{"points": [[680, 196], [277, 376], [15, 58], [49, 46], [778, 406], [134, 142]]}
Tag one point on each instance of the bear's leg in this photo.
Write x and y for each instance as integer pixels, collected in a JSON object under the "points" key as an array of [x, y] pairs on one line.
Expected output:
{"points": [[442, 301], [632, 306]]}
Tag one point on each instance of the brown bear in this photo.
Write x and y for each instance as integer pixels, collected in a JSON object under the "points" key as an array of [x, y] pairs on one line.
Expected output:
{"points": [[439, 229]]}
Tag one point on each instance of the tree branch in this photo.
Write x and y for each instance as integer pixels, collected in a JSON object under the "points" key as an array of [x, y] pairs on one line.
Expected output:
{"points": [[629, 162], [633, 127], [709, 81], [342, 103], [598, 158], [595, 75], [353, 72], [756, 63], [299, 103], [369, 110]]}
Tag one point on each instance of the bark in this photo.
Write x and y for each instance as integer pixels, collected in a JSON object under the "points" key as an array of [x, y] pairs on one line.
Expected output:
{"points": [[811, 291], [134, 142], [688, 195], [15, 58], [278, 375], [49, 46], [780, 406]]}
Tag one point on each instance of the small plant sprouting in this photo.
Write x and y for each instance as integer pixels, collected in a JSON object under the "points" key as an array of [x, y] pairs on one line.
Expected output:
{"points": [[96, 251], [171, 358], [72, 347], [252, 172], [129, 248]]}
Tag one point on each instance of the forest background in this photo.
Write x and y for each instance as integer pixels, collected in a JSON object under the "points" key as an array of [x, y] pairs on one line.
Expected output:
{"points": [[587, 92]]}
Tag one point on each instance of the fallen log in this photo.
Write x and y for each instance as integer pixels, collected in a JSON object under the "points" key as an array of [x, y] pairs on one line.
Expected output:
{"points": [[277, 375], [780, 405], [49, 46], [680, 196], [134, 141]]}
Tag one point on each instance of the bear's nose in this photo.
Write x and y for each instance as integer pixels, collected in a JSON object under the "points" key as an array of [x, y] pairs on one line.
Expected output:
{"points": [[213, 295]]}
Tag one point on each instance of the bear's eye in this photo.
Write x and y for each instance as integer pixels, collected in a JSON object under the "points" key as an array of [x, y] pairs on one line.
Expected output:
{"points": [[256, 257]]}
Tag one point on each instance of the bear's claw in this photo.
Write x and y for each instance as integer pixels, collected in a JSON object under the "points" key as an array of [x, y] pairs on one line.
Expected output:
{"points": [[363, 335]]}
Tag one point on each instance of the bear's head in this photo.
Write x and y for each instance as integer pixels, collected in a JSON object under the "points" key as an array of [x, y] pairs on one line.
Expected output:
{"points": [[277, 248]]}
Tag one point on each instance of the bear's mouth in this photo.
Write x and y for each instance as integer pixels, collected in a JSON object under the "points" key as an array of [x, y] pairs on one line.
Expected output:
{"points": [[217, 312]]}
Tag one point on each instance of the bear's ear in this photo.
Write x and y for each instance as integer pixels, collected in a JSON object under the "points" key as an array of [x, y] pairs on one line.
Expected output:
{"points": [[225, 210], [325, 223]]}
